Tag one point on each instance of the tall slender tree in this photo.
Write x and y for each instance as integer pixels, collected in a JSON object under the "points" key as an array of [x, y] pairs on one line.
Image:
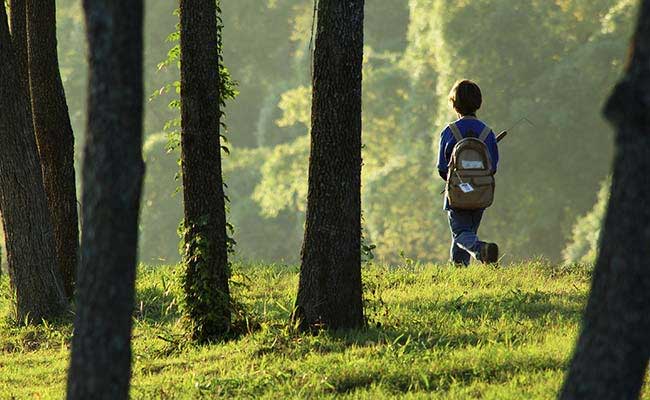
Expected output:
{"points": [[18, 21], [100, 366], [330, 292], [33, 272], [53, 135], [613, 349], [206, 257]]}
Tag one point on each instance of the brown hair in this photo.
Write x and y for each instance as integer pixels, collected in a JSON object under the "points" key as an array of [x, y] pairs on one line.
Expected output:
{"points": [[466, 97]]}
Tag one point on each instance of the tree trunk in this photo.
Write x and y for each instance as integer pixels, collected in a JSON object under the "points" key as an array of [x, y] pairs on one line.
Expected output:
{"points": [[613, 348], [206, 256], [113, 170], [34, 275], [53, 135], [330, 275], [18, 21]]}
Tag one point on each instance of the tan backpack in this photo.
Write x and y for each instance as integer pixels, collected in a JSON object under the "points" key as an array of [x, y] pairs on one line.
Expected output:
{"points": [[470, 182]]}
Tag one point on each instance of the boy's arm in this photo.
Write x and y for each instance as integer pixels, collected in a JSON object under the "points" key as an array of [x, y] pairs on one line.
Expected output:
{"points": [[442, 156]]}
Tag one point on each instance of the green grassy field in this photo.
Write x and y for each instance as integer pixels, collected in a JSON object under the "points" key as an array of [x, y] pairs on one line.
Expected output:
{"points": [[435, 332]]}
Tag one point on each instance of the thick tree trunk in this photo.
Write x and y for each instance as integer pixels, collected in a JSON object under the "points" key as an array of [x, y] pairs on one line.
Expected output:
{"points": [[113, 170], [206, 255], [33, 272], [613, 349], [330, 276], [18, 21], [53, 135]]}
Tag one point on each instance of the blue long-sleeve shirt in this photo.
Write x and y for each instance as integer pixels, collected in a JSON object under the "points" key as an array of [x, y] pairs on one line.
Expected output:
{"points": [[448, 141]]}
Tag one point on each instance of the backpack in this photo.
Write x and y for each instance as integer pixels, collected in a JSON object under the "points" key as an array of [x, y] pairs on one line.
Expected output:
{"points": [[470, 182]]}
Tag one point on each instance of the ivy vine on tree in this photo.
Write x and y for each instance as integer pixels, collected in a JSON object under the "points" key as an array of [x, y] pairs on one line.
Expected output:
{"points": [[200, 301]]}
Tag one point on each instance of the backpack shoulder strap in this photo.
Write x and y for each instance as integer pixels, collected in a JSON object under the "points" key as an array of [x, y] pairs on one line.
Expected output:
{"points": [[484, 134], [456, 131]]}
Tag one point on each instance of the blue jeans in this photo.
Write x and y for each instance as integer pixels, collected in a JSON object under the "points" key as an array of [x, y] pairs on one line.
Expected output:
{"points": [[464, 226]]}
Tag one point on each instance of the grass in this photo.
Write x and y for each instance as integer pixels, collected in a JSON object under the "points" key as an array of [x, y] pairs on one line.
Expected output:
{"points": [[435, 332]]}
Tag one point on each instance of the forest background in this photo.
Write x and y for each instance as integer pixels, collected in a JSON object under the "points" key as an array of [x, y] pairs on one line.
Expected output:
{"points": [[552, 62]]}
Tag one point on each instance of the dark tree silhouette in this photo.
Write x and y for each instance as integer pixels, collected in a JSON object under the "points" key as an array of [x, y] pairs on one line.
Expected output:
{"points": [[612, 352], [33, 272], [206, 256], [53, 135], [18, 20], [330, 275], [113, 169]]}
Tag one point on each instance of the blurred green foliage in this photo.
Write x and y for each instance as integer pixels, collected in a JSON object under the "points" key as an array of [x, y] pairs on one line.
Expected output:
{"points": [[553, 62], [583, 247]]}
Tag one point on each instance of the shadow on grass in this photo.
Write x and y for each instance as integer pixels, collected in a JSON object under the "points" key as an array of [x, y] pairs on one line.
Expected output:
{"points": [[411, 339], [156, 306], [414, 329], [405, 381], [525, 309], [16, 338], [517, 304]]}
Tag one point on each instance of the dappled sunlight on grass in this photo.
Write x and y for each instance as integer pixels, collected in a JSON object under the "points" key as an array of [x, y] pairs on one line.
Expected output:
{"points": [[434, 332]]}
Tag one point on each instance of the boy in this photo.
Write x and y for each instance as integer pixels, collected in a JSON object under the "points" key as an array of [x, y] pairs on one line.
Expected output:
{"points": [[465, 97]]}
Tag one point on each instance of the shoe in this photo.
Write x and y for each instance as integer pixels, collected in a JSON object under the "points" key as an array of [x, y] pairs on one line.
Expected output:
{"points": [[489, 253]]}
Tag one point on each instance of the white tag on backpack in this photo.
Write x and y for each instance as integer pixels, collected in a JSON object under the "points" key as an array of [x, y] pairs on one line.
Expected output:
{"points": [[468, 164], [466, 187]]}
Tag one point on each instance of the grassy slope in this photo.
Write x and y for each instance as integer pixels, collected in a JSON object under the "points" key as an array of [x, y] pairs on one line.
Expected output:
{"points": [[444, 333]]}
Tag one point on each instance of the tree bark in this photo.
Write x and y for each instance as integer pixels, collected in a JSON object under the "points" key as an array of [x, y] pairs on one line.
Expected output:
{"points": [[18, 21], [33, 273], [113, 170], [330, 291], [612, 352], [206, 256], [53, 135]]}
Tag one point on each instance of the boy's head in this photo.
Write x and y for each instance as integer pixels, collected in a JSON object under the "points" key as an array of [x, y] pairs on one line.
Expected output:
{"points": [[465, 97]]}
